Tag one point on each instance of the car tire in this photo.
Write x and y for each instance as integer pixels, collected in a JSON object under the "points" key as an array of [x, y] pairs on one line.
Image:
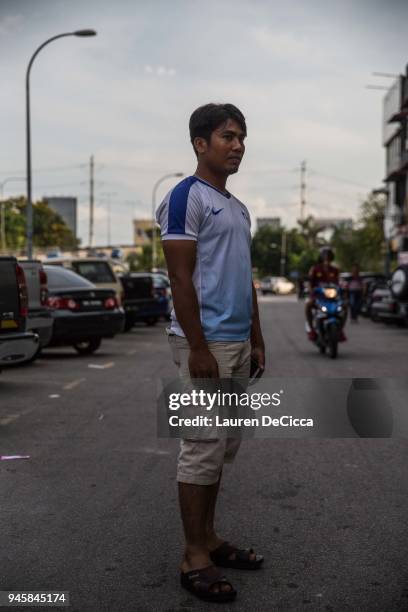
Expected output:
{"points": [[87, 347], [35, 356], [399, 283], [332, 334], [129, 323]]}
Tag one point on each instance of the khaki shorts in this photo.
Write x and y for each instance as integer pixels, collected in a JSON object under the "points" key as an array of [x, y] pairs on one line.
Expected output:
{"points": [[201, 461]]}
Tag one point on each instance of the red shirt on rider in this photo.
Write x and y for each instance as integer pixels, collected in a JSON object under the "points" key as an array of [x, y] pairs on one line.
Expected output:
{"points": [[323, 273]]}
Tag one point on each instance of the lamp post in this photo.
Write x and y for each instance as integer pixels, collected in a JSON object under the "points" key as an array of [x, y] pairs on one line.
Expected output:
{"points": [[2, 206], [81, 33], [163, 178]]}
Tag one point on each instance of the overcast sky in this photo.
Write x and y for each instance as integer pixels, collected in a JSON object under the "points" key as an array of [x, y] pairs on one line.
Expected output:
{"points": [[296, 69]]}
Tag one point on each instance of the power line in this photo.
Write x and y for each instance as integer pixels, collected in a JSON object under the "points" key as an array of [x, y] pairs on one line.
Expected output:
{"points": [[49, 169], [340, 180]]}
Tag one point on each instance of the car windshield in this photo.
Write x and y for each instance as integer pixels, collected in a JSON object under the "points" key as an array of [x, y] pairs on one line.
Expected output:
{"points": [[94, 271], [60, 278], [160, 281]]}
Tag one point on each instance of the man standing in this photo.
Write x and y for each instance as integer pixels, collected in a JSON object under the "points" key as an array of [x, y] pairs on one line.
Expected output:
{"points": [[215, 327]]}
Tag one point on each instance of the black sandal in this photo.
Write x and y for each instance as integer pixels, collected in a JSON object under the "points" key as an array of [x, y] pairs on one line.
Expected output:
{"points": [[199, 582], [220, 556]]}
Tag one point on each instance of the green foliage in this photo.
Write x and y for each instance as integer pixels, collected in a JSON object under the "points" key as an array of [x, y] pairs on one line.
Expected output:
{"points": [[365, 244], [49, 229], [301, 253], [143, 262], [266, 250]]}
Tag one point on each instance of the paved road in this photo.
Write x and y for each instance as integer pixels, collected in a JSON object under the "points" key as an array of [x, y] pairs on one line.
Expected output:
{"points": [[94, 509]]}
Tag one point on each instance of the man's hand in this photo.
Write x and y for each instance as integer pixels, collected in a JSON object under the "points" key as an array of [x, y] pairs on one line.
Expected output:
{"points": [[257, 342], [258, 354], [202, 363]]}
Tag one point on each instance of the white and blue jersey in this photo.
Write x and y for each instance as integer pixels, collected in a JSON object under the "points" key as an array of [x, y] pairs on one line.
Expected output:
{"points": [[195, 210]]}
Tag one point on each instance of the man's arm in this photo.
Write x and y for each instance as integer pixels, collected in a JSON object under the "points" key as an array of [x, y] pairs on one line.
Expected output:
{"points": [[257, 341], [181, 257]]}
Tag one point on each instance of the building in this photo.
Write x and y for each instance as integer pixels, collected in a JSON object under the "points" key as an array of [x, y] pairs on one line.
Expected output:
{"points": [[395, 141], [142, 229], [66, 207], [272, 222]]}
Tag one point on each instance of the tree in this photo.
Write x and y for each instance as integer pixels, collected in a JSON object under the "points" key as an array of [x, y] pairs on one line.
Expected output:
{"points": [[265, 251], [301, 253], [143, 262], [49, 228], [364, 244]]}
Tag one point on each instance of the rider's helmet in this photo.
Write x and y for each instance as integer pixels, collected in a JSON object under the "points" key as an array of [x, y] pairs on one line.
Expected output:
{"points": [[324, 252]]}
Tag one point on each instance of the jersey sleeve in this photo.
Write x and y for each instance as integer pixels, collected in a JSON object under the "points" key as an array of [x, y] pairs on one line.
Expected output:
{"points": [[181, 213]]}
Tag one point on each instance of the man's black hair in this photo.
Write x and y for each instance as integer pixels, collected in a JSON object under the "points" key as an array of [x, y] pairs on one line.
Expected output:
{"points": [[209, 117]]}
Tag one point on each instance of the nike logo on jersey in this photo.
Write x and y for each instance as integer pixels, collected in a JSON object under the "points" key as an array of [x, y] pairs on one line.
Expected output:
{"points": [[215, 212]]}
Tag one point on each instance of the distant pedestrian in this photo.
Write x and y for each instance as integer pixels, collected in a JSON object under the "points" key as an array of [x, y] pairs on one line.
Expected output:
{"points": [[355, 292]]}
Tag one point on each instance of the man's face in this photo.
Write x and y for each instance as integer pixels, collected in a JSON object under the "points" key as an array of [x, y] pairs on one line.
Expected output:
{"points": [[224, 152]]}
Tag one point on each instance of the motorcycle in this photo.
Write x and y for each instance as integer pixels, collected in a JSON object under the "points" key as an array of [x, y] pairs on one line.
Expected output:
{"points": [[328, 314]]}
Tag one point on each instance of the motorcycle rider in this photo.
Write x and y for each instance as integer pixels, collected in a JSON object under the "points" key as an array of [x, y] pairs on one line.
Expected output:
{"points": [[323, 272]]}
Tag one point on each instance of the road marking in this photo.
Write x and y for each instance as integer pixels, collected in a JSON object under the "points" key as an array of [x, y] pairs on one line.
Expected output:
{"points": [[73, 384], [54, 396], [8, 419], [101, 417], [283, 299], [155, 451], [102, 366], [132, 352]]}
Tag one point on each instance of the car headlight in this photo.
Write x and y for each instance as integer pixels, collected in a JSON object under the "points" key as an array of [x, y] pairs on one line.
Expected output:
{"points": [[330, 293]]}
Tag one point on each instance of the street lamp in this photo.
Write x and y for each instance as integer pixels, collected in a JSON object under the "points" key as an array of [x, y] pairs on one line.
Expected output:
{"points": [[163, 178], [81, 33]]}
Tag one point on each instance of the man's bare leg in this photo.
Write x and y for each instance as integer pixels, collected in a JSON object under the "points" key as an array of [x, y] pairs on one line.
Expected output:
{"points": [[194, 505], [212, 540]]}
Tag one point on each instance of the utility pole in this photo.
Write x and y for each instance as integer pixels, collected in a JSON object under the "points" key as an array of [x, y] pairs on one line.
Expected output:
{"points": [[302, 189], [91, 200], [283, 254]]}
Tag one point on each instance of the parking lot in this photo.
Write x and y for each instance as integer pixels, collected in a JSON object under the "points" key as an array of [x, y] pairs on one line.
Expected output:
{"points": [[94, 509]]}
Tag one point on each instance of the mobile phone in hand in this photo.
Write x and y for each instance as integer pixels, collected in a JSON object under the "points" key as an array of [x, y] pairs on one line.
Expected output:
{"points": [[255, 370]]}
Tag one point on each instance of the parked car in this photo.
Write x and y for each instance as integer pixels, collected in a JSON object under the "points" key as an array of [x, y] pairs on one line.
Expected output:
{"points": [[266, 284], [384, 307], [283, 286], [17, 345], [39, 318], [162, 289], [83, 314], [142, 301], [98, 270], [399, 289]]}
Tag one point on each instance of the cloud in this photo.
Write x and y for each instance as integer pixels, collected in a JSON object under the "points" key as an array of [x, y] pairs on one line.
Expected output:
{"points": [[160, 71], [11, 24]]}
